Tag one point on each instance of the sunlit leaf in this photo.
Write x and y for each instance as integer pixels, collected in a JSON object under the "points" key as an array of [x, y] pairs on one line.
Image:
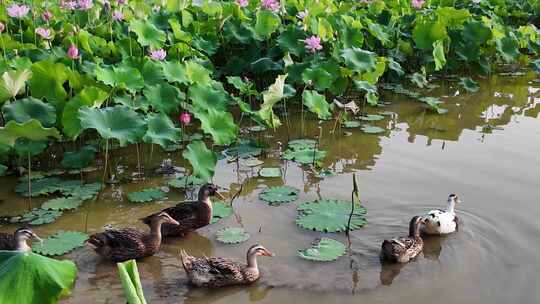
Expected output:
{"points": [[91, 97], [271, 96], [270, 172], [12, 83], [131, 282], [147, 33], [323, 250], [164, 97], [219, 124], [317, 104], [48, 80], [220, 210], [31, 129], [330, 216], [438, 55], [359, 60], [266, 23]]}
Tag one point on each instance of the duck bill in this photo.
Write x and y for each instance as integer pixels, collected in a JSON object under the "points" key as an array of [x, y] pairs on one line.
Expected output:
{"points": [[37, 238], [268, 254], [174, 222]]}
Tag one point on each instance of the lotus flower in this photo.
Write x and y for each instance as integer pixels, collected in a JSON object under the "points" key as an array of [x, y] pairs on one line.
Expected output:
{"points": [[302, 14], [159, 54], [68, 5], [271, 5], [17, 11], [417, 4], [185, 118], [313, 44], [73, 51], [121, 2], [117, 16], [85, 5], [242, 3], [44, 33], [47, 16], [2, 27]]}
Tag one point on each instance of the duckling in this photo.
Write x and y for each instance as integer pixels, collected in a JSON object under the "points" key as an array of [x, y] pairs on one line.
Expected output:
{"points": [[219, 272], [404, 249], [190, 215], [125, 244], [18, 240], [442, 221]]}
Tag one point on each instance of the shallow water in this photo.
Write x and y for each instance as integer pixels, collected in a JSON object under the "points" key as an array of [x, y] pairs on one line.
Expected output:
{"points": [[406, 171]]}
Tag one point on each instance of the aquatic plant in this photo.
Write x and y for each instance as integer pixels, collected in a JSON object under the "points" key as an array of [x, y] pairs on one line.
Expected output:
{"points": [[131, 282], [323, 250], [60, 243], [330, 216], [279, 195], [232, 235]]}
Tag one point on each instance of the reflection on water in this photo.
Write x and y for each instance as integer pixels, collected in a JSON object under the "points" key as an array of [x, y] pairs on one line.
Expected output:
{"points": [[485, 148]]}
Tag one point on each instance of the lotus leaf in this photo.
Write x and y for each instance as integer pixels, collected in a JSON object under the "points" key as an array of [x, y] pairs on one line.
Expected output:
{"points": [[161, 130], [197, 74], [372, 117], [201, 159], [426, 33], [433, 104], [251, 162], [270, 172], [40, 216], [271, 96], [321, 78], [60, 243], [358, 59], [91, 97], [186, 182], [131, 282], [175, 72], [62, 203], [79, 159], [123, 77], [372, 129], [305, 156], [266, 23], [30, 278], [438, 55], [508, 47], [24, 147], [146, 195], [351, 124], [232, 235], [219, 124], [84, 192], [205, 97], [30, 108], [31, 129], [302, 144], [39, 187], [12, 83], [48, 80], [117, 122], [220, 210], [317, 104], [330, 216], [536, 65], [323, 250], [468, 84], [244, 149], [279, 195], [164, 97], [147, 33]]}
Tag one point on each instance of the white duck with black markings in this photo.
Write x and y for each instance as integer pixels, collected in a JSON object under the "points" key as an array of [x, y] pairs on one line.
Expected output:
{"points": [[442, 221]]}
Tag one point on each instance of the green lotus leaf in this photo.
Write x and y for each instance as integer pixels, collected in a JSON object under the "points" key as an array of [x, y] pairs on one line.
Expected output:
{"points": [[220, 210], [323, 250], [245, 87], [219, 124], [40, 216], [91, 97], [372, 129], [62, 203], [468, 84], [305, 156], [30, 108], [371, 117], [39, 187], [244, 149], [197, 74], [146, 195], [251, 162], [433, 104], [174, 71], [271, 96], [147, 33], [119, 122], [12, 83], [302, 144], [131, 282], [152, 73], [508, 47], [352, 124], [84, 192], [48, 80], [476, 32], [123, 77], [365, 86], [79, 159], [317, 104], [186, 182], [24, 147], [164, 97], [291, 40], [279, 195], [205, 97], [419, 80], [31, 129], [60, 243], [426, 32], [438, 55], [201, 159], [395, 66], [30, 278], [358, 59], [266, 23], [330, 216], [270, 172], [161, 130], [232, 235]]}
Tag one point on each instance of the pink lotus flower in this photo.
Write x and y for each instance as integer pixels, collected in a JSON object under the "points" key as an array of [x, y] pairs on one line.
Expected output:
{"points": [[85, 5], [117, 16], [73, 51], [185, 118], [68, 5], [121, 2], [159, 54], [242, 3], [2, 27], [313, 44], [417, 4], [44, 33], [271, 5], [47, 16], [18, 11]]}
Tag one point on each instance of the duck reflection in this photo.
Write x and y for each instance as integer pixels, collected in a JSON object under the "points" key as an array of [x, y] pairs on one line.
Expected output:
{"points": [[433, 246], [389, 271], [255, 293]]}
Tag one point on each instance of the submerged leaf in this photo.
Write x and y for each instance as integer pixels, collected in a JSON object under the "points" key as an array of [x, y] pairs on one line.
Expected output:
{"points": [[60, 243], [323, 250], [330, 216], [232, 235], [279, 195]]}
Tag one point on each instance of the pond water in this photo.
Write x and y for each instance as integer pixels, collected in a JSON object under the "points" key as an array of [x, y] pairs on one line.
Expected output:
{"points": [[485, 149]]}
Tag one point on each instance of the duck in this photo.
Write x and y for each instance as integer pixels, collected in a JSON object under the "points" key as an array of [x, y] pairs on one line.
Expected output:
{"points": [[18, 241], [219, 272], [404, 249], [190, 215], [440, 222], [120, 245]]}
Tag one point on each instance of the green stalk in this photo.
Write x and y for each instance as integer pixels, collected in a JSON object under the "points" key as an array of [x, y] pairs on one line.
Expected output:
{"points": [[106, 160], [29, 182], [20, 30]]}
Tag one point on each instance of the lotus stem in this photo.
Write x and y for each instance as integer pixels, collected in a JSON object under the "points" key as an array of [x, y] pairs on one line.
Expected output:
{"points": [[354, 194], [29, 182], [106, 160], [138, 160], [21, 31]]}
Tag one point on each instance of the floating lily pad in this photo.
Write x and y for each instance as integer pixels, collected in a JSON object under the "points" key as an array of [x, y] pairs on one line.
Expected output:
{"points": [[323, 250], [372, 129], [85, 191], [279, 195], [46, 186], [186, 182], [40, 216], [251, 162], [245, 149], [27, 277], [60, 243], [371, 117], [232, 235], [62, 203], [220, 210], [352, 124], [270, 172], [468, 84], [330, 216], [146, 195], [302, 144], [304, 156]]}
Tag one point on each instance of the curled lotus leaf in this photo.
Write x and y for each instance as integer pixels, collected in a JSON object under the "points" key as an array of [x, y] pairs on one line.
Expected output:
{"points": [[31, 129], [279, 195], [323, 250], [202, 159], [146, 195], [232, 235], [317, 104], [60, 243], [220, 210], [131, 282], [12, 83], [330, 216], [62, 203]]}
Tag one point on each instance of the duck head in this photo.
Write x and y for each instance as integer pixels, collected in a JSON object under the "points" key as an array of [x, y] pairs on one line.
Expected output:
{"points": [[22, 235], [208, 190], [415, 224]]}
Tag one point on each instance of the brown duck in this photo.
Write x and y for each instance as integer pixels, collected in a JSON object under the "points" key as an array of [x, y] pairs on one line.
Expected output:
{"points": [[125, 244], [404, 249], [191, 215], [18, 240], [219, 272]]}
